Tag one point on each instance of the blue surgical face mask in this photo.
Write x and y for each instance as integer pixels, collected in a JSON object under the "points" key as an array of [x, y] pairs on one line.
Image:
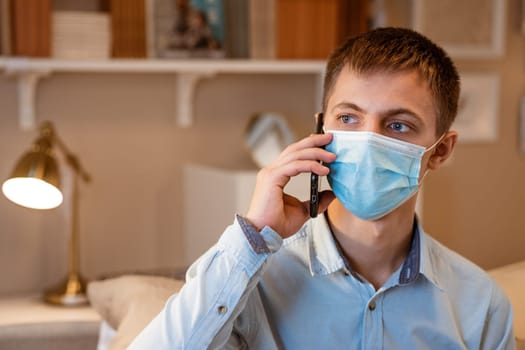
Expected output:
{"points": [[373, 174]]}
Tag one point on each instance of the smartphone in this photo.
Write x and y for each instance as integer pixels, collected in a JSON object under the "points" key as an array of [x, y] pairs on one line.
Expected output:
{"points": [[314, 178]]}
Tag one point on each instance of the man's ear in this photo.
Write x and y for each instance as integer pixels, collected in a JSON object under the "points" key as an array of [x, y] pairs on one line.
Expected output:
{"points": [[443, 150]]}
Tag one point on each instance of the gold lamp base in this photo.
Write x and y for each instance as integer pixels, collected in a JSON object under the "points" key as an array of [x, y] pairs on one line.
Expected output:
{"points": [[71, 292]]}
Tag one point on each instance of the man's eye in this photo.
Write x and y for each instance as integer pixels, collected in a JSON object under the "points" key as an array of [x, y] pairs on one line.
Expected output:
{"points": [[347, 119], [399, 127]]}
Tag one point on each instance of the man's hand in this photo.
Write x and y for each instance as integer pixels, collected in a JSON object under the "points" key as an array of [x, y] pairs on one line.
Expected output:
{"points": [[270, 206]]}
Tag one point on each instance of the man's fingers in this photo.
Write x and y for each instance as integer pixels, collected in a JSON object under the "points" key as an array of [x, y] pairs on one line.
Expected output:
{"points": [[282, 173], [315, 154], [312, 141]]}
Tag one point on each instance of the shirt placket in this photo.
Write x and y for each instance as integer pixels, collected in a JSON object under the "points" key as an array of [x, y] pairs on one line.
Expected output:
{"points": [[372, 336]]}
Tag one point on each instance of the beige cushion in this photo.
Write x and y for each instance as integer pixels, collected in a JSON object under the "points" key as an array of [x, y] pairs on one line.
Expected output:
{"points": [[130, 302], [512, 279]]}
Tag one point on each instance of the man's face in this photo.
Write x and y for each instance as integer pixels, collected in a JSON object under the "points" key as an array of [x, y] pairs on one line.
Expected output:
{"points": [[398, 105]]}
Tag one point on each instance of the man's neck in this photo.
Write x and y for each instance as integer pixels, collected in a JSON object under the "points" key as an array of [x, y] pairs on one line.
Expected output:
{"points": [[374, 249]]}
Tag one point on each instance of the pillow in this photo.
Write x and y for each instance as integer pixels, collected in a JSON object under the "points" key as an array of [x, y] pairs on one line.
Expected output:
{"points": [[511, 278], [128, 303]]}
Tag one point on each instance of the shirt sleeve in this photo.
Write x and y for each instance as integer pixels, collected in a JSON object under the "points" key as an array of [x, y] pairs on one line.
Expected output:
{"points": [[498, 332], [218, 284]]}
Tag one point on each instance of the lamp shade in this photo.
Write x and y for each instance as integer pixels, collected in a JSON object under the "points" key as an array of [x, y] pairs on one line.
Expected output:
{"points": [[35, 181]]}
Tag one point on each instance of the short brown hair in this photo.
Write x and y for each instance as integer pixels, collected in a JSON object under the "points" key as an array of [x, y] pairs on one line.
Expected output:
{"points": [[393, 49]]}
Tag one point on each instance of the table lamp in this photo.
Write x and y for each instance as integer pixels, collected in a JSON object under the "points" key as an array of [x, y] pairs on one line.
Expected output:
{"points": [[35, 183]]}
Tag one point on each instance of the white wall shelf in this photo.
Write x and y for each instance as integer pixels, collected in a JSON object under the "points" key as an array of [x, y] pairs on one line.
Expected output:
{"points": [[28, 71]]}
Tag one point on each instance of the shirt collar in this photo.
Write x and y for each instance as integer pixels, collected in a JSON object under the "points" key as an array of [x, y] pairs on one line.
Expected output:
{"points": [[411, 267], [427, 265], [325, 256]]}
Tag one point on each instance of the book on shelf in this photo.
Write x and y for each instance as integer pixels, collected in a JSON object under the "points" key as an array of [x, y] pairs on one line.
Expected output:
{"points": [[354, 18], [186, 28], [30, 27], [81, 35], [237, 22], [311, 29], [250, 29], [262, 32], [5, 31], [128, 28]]}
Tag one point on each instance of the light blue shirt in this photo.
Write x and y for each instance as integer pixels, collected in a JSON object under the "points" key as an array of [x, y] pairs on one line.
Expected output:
{"points": [[256, 291]]}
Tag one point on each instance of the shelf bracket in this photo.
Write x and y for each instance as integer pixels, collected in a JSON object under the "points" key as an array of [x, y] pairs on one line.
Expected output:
{"points": [[27, 81], [185, 84]]}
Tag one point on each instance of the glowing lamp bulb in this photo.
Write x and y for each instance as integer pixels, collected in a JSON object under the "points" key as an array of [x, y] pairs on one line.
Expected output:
{"points": [[32, 193]]}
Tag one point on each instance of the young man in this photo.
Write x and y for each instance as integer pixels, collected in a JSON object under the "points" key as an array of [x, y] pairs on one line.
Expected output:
{"points": [[363, 274]]}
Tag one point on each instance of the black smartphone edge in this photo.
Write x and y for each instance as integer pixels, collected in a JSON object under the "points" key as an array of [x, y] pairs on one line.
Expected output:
{"points": [[314, 178]]}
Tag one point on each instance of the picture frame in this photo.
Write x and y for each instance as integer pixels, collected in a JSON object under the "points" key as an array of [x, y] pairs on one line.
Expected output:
{"points": [[478, 109], [185, 28], [464, 28]]}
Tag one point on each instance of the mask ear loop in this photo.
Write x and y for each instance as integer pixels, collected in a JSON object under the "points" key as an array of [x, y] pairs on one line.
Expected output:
{"points": [[428, 150], [437, 142]]}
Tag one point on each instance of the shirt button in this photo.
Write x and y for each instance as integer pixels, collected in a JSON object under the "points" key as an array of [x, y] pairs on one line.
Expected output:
{"points": [[372, 306], [222, 309]]}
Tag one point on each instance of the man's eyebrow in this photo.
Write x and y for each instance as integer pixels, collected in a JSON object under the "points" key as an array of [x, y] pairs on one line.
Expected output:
{"points": [[398, 111], [345, 105]]}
